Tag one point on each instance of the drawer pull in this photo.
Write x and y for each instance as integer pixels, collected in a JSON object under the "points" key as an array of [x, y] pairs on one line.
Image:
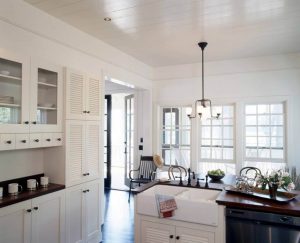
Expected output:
{"points": [[26, 122], [36, 208], [28, 210], [23, 141], [34, 122], [48, 139], [59, 139], [36, 140], [8, 142]]}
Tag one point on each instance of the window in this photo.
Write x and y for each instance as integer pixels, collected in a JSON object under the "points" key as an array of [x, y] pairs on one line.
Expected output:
{"points": [[176, 136], [265, 133], [217, 141]]}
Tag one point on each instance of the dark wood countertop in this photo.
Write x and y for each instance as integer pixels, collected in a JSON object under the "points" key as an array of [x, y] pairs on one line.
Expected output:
{"points": [[247, 202], [26, 195]]}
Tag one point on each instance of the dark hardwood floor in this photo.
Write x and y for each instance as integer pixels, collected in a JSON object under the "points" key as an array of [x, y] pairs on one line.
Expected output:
{"points": [[119, 218]]}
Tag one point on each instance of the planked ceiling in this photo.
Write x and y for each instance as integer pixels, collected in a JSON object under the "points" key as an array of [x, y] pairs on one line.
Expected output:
{"points": [[166, 32]]}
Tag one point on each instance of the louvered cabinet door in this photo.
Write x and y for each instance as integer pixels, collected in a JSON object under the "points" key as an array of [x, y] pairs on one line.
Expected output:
{"points": [[75, 95], [157, 233], [94, 98], [92, 150], [75, 137], [186, 235]]}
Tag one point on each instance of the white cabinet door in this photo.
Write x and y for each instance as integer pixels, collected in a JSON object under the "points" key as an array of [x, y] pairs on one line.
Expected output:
{"points": [[92, 211], [75, 137], [75, 214], [48, 218], [94, 98], [75, 95], [157, 233], [46, 97], [15, 223], [92, 150], [14, 92], [7, 141], [196, 236]]}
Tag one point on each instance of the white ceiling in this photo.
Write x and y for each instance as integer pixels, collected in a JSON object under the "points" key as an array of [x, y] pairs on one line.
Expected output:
{"points": [[166, 32]]}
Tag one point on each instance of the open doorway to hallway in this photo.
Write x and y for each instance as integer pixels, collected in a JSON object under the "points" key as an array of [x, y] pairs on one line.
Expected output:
{"points": [[119, 134]]}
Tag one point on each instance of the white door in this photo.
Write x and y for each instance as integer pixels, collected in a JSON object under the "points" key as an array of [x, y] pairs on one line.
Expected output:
{"points": [[157, 233], [14, 92], [75, 95], [15, 223], [196, 236], [129, 136], [75, 214], [46, 95], [94, 98], [92, 150], [48, 218], [93, 211], [75, 143]]}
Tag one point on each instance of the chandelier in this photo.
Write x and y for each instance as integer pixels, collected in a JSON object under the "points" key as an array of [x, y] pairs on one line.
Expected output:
{"points": [[203, 107]]}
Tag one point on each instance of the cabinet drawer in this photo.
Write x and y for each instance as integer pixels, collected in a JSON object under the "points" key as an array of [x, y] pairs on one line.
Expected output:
{"points": [[7, 141], [57, 139], [22, 141], [47, 140], [35, 140]]}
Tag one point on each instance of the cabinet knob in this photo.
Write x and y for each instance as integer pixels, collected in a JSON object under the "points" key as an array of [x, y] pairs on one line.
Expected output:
{"points": [[8, 142], [59, 139], [84, 112], [87, 174], [88, 112], [26, 122], [28, 210], [171, 236], [48, 139], [23, 141], [177, 237], [36, 140], [36, 208], [34, 122], [88, 190]]}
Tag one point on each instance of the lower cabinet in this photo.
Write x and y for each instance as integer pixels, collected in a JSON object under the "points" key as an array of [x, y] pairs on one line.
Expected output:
{"points": [[41, 219], [83, 213], [152, 232]]}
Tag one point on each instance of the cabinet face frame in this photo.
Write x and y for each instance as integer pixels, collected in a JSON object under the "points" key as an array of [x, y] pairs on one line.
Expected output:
{"points": [[25, 82], [37, 63]]}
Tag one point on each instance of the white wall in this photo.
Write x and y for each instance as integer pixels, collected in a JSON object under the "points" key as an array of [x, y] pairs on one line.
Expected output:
{"points": [[261, 78], [29, 31]]}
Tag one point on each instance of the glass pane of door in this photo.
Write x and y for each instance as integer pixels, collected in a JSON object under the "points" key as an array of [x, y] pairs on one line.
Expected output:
{"points": [[10, 92], [129, 136], [107, 141]]}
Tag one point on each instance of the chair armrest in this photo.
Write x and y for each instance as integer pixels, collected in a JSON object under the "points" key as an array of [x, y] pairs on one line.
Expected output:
{"points": [[130, 173], [153, 175]]}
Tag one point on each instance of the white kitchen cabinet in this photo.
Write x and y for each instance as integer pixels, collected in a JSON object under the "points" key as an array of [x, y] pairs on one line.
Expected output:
{"points": [[46, 103], [84, 96], [82, 151], [41, 219], [83, 213], [48, 218], [162, 232], [15, 223]]}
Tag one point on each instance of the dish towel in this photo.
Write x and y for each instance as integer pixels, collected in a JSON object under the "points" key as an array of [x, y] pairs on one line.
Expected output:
{"points": [[165, 205]]}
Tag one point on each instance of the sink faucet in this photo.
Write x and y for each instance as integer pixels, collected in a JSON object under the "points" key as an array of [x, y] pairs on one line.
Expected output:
{"points": [[189, 176]]}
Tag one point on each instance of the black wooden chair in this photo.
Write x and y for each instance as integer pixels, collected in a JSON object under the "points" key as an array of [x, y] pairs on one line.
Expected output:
{"points": [[250, 172], [145, 172]]}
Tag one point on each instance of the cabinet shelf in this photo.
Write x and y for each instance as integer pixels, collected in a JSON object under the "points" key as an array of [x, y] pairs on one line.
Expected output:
{"points": [[9, 105], [47, 108], [10, 79], [47, 85]]}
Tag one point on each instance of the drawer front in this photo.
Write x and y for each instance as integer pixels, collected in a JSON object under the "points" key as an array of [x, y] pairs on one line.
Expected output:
{"points": [[35, 140], [47, 140], [22, 141], [7, 141], [57, 139]]}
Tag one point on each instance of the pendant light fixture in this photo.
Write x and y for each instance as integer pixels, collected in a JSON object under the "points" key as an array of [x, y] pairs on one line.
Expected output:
{"points": [[203, 107]]}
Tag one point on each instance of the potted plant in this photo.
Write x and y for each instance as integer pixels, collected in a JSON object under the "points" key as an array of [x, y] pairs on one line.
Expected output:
{"points": [[277, 179]]}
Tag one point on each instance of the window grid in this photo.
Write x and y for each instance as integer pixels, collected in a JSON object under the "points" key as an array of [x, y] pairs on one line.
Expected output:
{"points": [[176, 135], [225, 142], [267, 152]]}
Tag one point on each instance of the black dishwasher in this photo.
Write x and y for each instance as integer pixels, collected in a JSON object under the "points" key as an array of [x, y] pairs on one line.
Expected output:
{"points": [[245, 226]]}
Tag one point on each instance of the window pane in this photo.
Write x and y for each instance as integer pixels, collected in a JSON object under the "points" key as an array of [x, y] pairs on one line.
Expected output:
{"points": [[263, 109], [264, 153], [216, 122], [216, 153], [228, 143], [216, 142], [251, 153], [251, 142], [264, 142], [227, 132], [277, 153], [185, 120], [251, 120], [277, 131], [227, 122], [217, 132], [185, 138], [167, 156], [166, 137], [205, 153], [205, 132], [205, 142], [251, 109], [251, 131], [277, 120], [277, 142], [263, 131], [228, 153], [228, 111], [277, 109], [264, 120]]}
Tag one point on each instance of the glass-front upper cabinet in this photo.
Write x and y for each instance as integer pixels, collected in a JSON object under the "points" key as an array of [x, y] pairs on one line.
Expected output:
{"points": [[14, 93], [46, 98]]}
